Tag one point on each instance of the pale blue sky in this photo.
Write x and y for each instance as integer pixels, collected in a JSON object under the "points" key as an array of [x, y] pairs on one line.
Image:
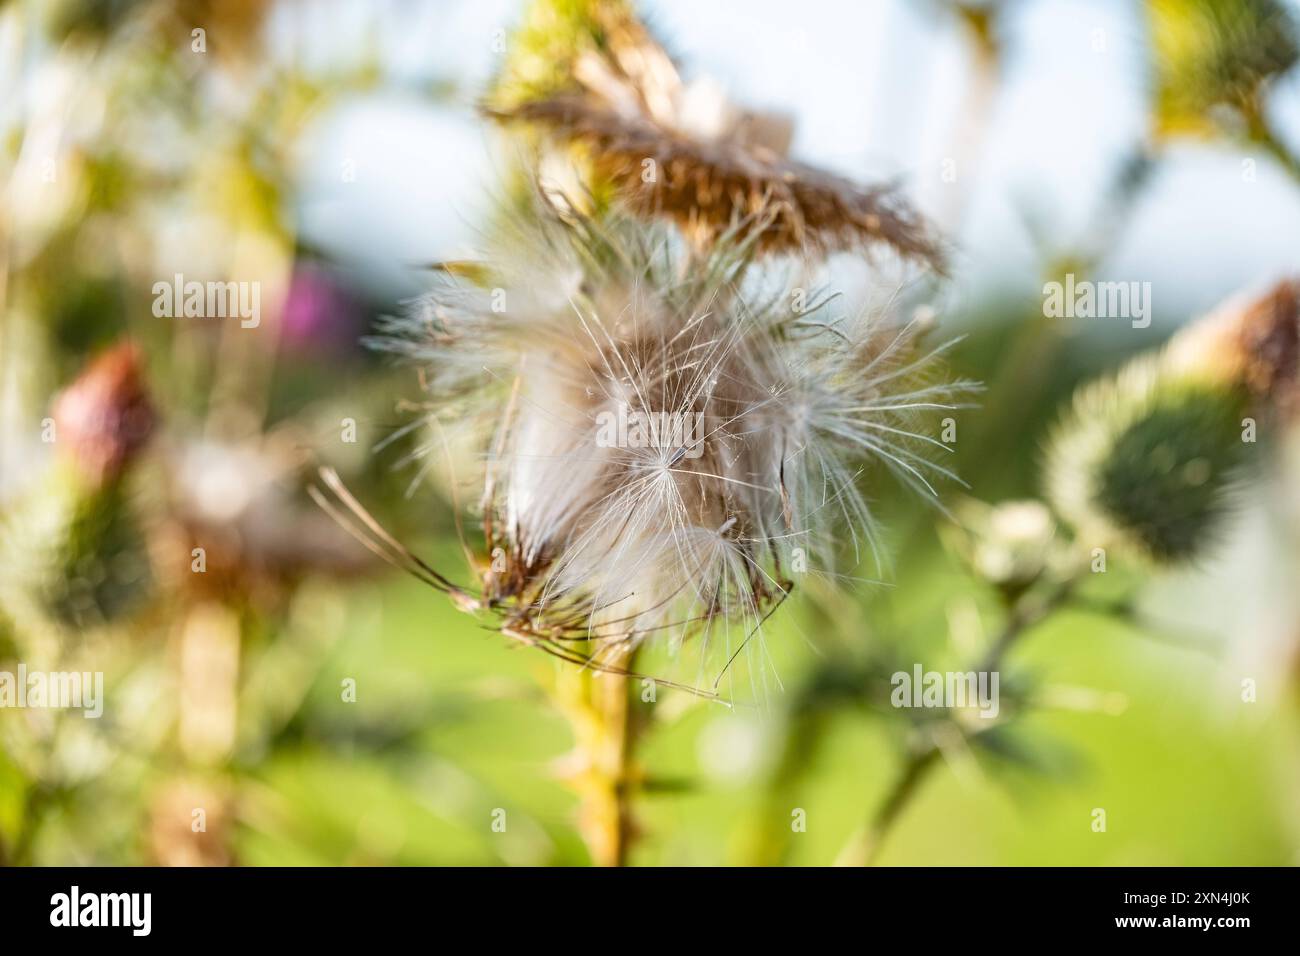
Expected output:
{"points": [[877, 88]]}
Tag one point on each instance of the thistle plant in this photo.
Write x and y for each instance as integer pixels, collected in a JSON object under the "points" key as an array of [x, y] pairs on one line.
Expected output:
{"points": [[661, 422], [592, 547], [121, 553], [1215, 61], [90, 566], [597, 541], [1145, 463]]}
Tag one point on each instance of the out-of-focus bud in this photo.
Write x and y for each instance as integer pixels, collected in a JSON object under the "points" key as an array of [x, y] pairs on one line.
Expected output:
{"points": [[1144, 461], [104, 418], [73, 549], [320, 316], [1252, 341], [1009, 545], [1148, 458]]}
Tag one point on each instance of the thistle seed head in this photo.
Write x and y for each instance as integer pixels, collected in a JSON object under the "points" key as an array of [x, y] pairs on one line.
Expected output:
{"points": [[669, 443], [709, 187]]}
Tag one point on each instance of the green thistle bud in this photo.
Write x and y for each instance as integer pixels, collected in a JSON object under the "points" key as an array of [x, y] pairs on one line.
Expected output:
{"points": [[1010, 545], [1149, 458], [97, 568], [1216, 54], [566, 46], [1146, 460]]}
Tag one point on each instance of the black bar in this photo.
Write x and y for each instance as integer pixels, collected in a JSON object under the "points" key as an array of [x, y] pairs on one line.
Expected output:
{"points": [[306, 906]]}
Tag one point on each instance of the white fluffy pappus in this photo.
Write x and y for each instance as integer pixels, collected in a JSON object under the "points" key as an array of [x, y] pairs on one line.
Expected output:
{"points": [[742, 430]]}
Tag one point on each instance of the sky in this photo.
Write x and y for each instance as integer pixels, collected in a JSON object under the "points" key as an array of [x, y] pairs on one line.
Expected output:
{"points": [[878, 89]]}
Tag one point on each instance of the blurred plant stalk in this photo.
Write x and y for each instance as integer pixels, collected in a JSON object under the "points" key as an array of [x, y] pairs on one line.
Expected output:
{"points": [[602, 770], [1141, 464], [174, 607], [1028, 612]]}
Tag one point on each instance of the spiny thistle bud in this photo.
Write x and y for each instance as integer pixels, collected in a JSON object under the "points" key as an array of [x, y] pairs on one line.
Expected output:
{"points": [[1213, 55], [669, 442], [74, 548], [1148, 458], [98, 567]]}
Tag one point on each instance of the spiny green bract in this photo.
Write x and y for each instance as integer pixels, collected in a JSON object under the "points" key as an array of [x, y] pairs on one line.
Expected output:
{"points": [[100, 569], [73, 557], [1165, 478], [1147, 461]]}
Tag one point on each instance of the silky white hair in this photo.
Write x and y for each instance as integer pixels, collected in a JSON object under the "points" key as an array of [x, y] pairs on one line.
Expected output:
{"points": [[591, 548]]}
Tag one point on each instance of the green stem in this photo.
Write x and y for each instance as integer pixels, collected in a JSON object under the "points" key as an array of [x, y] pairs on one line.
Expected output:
{"points": [[38, 799], [1260, 133], [865, 846], [607, 729]]}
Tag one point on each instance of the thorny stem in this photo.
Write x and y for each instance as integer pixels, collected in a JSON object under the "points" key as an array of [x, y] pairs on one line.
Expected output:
{"points": [[599, 705], [865, 846], [616, 707]]}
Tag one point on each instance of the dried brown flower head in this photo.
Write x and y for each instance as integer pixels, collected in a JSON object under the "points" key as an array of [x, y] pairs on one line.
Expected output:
{"points": [[710, 187], [592, 78], [1252, 341]]}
